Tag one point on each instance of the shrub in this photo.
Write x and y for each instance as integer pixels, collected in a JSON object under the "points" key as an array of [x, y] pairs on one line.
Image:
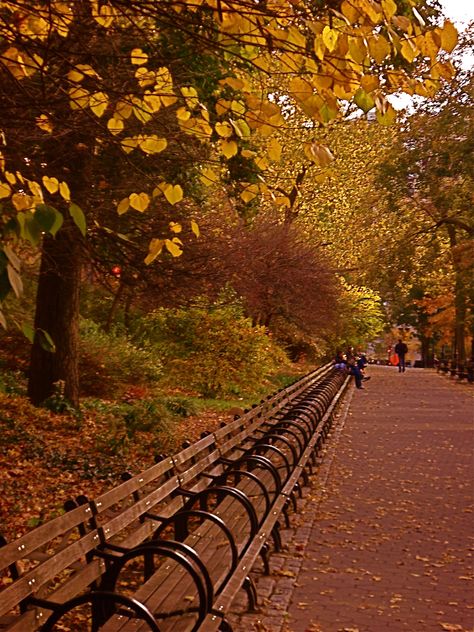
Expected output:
{"points": [[214, 350], [111, 361]]}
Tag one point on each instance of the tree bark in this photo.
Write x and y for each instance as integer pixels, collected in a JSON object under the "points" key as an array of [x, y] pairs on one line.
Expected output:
{"points": [[460, 307], [57, 313]]}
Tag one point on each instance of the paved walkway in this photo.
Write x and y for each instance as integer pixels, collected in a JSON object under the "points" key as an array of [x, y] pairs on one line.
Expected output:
{"points": [[385, 539]]}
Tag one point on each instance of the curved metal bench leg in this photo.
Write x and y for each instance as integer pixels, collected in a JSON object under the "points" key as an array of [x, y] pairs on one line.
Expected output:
{"points": [[264, 551], [285, 513], [97, 598], [225, 626], [277, 537], [251, 591]]}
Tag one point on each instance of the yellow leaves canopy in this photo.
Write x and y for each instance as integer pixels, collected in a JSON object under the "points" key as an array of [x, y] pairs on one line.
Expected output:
{"points": [[316, 66]]}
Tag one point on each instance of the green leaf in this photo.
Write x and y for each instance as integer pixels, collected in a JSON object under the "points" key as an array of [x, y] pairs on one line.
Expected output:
{"points": [[78, 217], [31, 229], [45, 341], [48, 218], [363, 100], [28, 331]]}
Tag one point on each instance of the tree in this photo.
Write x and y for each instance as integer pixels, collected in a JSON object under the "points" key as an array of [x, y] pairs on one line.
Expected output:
{"points": [[87, 84], [430, 181]]}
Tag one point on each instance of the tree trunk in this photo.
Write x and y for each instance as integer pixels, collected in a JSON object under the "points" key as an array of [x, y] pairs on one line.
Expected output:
{"points": [[459, 302], [57, 313], [115, 305]]}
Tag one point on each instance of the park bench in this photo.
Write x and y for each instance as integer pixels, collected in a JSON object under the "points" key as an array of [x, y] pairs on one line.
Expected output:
{"points": [[169, 548], [461, 370]]}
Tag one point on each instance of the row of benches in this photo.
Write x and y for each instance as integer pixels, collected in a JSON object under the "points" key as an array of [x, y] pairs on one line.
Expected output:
{"points": [[169, 548], [461, 370]]}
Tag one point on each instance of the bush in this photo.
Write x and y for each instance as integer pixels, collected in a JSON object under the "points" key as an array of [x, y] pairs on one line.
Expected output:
{"points": [[215, 350], [120, 422], [108, 362]]}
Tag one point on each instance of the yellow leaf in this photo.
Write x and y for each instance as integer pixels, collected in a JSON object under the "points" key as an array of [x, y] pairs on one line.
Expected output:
{"points": [[10, 177], [145, 77], [21, 201], [153, 101], [319, 48], [175, 227], [389, 7], [408, 50], [123, 206], [35, 189], [274, 150], [282, 200], [129, 144], [139, 201], [403, 23], [5, 190], [182, 114], [153, 145], [248, 153], [388, 116], [173, 193], [222, 107], [300, 88], [138, 57], [237, 107], [430, 46], [154, 250], [357, 49], [191, 96], [115, 125], [64, 191], [349, 11], [44, 123], [75, 75], [123, 110], [168, 99], [241, 128], [224, 129], [369, 83], [379, 48], [50, 184], [229, 148], [449, 36], [195, 228], [105, 17], [98, 103], [173, 247], [249, 193], [79, 98], [208, 177], [330, 37], [261, 162]]}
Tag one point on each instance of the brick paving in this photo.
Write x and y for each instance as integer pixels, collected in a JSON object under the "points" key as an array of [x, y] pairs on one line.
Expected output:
{"points": [[384, 538]]}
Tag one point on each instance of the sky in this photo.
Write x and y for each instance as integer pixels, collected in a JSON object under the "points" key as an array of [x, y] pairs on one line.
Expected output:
{"points": [[459, 11]]}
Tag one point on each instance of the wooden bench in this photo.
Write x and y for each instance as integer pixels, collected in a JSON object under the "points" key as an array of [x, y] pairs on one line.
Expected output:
{"points": [[169, 548], [461, 370]]}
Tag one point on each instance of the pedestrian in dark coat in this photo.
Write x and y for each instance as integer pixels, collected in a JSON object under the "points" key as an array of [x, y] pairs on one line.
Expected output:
{"points": [[401, 350]]}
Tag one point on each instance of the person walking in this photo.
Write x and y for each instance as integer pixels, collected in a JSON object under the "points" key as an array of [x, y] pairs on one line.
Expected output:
{"points": [[401, 350]]}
